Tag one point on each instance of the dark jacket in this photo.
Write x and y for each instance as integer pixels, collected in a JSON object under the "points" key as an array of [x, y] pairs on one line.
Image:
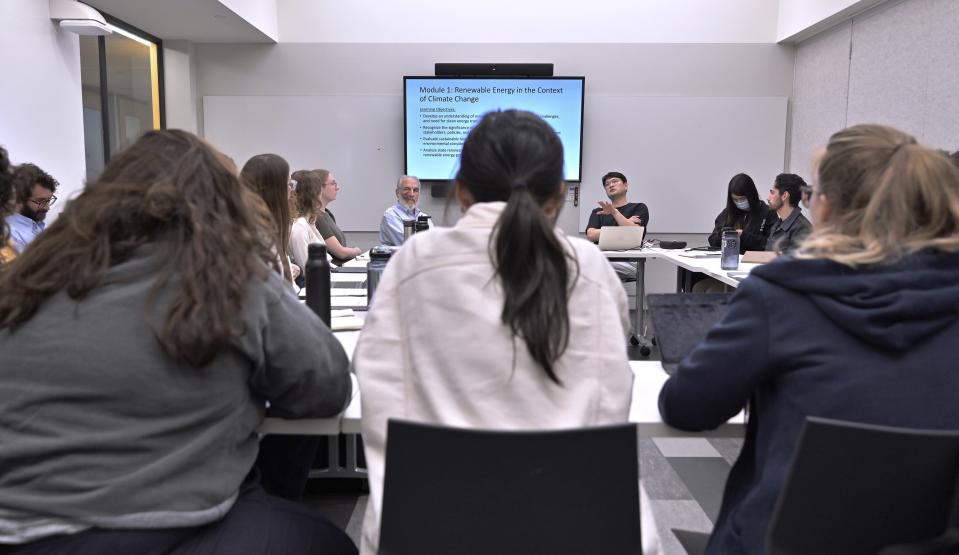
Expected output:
{"points": [[814, 338], [787, 234], [756, 228]]}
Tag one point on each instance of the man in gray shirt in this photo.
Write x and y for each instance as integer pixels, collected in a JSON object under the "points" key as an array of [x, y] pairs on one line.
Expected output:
{"points": [[792, 226]]}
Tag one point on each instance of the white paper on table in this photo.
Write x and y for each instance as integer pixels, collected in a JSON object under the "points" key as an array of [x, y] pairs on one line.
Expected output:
{"points": [[347, 278], [346, 323], [701, 254], [347, 292], [348, 302], [356, 263]]}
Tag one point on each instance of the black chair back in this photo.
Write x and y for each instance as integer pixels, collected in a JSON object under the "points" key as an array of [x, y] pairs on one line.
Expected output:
{"points": [[464, 491], [858, 488]]}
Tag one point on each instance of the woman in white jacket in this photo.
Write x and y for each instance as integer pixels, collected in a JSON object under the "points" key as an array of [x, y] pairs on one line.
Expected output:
{"points": [[500, 322]]}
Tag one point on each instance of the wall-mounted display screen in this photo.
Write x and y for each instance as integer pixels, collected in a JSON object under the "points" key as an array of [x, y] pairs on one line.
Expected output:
{"points": [[440, 111]]}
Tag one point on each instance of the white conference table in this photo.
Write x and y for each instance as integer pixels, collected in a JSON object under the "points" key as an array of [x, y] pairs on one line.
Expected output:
{"points": [[648, 376], [648, 380]]}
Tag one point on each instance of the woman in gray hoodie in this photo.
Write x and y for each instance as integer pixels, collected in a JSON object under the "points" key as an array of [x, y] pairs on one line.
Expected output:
{"points": [[141, 337]]}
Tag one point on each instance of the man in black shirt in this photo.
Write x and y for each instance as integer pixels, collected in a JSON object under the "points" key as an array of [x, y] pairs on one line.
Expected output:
{"points": [[617, 211]]}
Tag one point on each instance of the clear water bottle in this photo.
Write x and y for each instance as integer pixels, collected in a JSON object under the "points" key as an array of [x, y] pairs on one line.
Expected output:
{"points": [[730, 250], [318, 281], [379, 257]]}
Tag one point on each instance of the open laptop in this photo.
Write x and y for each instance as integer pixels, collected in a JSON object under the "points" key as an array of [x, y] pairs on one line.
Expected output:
{"points": [[617, 238], [681, 321]]}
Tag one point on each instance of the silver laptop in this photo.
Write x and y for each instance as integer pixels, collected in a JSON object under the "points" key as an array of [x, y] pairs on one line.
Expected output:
{"points": [[617, 238]]}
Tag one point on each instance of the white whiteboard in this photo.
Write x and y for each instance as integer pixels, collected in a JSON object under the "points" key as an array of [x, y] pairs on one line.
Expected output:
{"points": [[358, 138], [678, 152]]}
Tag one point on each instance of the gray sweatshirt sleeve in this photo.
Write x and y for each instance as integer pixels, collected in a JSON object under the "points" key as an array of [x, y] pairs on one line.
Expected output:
{"points": [[304, 371]]}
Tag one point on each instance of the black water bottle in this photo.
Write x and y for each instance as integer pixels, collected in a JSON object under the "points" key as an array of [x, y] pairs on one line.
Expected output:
{"points": [[729, 260], [379, 257], [422, 223], [318, 281]]}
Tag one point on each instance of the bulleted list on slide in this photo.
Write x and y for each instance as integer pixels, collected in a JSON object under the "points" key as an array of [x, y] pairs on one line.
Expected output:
{"points": [[440, 113]]}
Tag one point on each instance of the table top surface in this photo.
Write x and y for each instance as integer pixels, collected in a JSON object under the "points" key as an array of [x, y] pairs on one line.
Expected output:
{"points": [[649, 375]]}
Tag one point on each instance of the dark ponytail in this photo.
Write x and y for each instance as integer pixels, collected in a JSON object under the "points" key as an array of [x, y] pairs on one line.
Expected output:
{"points": [[515, 156]]}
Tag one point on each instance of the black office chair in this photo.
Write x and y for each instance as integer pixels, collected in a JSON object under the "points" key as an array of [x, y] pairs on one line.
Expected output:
{"points": [[464, 491], [857, 488]]}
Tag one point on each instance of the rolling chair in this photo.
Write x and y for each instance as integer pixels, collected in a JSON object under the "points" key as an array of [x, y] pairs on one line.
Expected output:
{"points": [[465, 491]]}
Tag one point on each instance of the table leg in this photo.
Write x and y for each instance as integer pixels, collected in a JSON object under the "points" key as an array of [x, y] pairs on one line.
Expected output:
{"points": [[334, 469], [639, 309]]}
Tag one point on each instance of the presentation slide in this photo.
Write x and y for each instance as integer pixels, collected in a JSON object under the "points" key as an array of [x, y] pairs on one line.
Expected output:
{"points": [[440, 111]]}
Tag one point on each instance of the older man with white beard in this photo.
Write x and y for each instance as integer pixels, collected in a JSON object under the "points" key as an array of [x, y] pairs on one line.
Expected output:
{"points": [[407, 197]]}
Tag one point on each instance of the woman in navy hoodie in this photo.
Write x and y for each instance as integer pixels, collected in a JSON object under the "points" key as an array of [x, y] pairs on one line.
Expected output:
{"points": [[860, 325]]}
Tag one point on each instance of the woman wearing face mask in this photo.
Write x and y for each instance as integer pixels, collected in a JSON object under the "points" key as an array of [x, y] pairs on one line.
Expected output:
{"points": [[746, 214]]}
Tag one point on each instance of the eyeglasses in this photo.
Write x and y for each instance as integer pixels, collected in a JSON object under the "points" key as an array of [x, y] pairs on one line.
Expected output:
{"points": [[42, 202], [333, 183]]}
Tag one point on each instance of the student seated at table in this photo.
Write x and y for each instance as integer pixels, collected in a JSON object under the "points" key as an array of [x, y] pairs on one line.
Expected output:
{"points": [[268, 175], [34, 190], [791, 226], [501, 321], [874, 292], [7, 201], [315, 189], [746, 214], [617, 211], [141, 336], [407, 198]]}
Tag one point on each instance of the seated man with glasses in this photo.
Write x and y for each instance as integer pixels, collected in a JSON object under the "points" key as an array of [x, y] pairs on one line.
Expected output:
{"points": [[34, 190]]}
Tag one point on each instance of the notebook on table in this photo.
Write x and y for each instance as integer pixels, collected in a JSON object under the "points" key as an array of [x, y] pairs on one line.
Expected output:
{"points": [[621, 238], [682, 320]]}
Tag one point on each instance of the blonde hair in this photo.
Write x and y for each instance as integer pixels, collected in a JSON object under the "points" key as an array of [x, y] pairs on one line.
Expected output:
{"points": [[888, 197]]}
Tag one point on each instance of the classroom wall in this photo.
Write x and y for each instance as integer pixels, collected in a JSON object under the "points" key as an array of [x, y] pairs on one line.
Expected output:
{"points": [[801, 19], [896, 64], [364, 73], [529, 21], [41, 112], [179, 75]]}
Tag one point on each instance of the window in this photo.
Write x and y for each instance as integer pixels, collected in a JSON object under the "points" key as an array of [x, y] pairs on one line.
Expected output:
{"points": [[122, 76]]}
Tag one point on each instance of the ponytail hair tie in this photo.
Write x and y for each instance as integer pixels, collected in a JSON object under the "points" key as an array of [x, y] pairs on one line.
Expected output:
{"points": [[519, 185]]}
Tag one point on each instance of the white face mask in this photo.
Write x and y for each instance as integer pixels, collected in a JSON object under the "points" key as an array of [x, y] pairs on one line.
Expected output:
{"points": [[744, 205]]}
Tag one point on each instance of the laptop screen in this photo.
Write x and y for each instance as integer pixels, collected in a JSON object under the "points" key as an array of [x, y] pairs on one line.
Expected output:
{"points": [[681, 321]]}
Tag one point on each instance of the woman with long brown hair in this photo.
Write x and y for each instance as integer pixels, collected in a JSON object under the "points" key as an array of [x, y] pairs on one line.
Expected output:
{"points": [[141, 336], [860, 325], [315, 190], [268, 175], [7, 200]]}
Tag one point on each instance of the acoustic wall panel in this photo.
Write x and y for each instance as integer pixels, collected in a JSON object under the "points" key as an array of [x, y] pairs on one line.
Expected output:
{"points": [[889, 69], [819, 94], [941, 115]]}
